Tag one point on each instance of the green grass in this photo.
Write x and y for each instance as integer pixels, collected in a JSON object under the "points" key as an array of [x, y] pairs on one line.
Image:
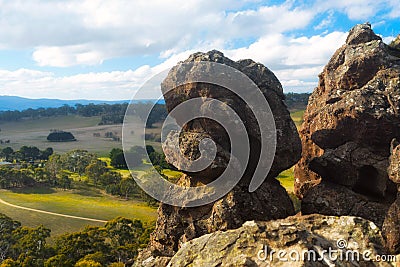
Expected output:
{"points": [[297, 117], [82, 202], [286, 179], [172, 175]]}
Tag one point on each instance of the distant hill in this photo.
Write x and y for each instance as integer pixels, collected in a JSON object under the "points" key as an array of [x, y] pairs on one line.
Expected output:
{"points": [[20, 103]]}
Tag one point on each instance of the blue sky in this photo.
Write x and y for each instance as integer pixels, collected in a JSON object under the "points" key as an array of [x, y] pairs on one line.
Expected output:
{"points": [[94, 49]]}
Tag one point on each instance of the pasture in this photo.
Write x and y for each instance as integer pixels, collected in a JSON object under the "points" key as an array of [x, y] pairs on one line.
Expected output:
{"points": [[82, 202]]}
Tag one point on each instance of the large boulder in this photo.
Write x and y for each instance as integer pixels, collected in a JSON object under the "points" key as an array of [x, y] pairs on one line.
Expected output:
{"points": [[288, 146], [351, 118], [177, 225], [304, 240]]}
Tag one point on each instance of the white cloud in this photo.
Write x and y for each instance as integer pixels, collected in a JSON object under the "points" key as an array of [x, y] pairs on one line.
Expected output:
{"points": [[66, 56], [88, 32], [360, 9], [295, 61], [326, 21], [67, 33]]}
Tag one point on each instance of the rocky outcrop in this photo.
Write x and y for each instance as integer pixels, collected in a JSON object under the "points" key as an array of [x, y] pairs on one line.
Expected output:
{"points": [[176, 225], [305, 241], [288, 144], [350, 120], [333, 199], [391, 226]]}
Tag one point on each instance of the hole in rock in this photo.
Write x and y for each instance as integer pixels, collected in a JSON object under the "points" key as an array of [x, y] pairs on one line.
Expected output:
{"points": [[367, 182]]}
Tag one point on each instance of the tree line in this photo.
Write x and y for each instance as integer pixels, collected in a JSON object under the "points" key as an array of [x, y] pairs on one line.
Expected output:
{"points": [[110, 113], [295, 101], [25, 154], [115, 244], [60, 170], [79, 109]]}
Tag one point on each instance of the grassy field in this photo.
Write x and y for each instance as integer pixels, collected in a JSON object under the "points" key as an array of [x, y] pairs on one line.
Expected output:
{"points": [[287, 180], [34, 133], [83, 202], [297, 117]]}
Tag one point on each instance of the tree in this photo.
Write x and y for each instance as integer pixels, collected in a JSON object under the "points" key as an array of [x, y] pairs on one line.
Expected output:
{"points": [[124, 235], [97, 257], [7, 226], [88, 263], [158, 159], [95, 169], [9, 263], [64, 181], [53, 167], [127, 186], [77, 245], [149, 149], [30, 241], [61, 136], [7, 153], [45, 154], [77, 160], [117, 158], [41, 175], [59, 260], [110, 178], [133, 157], [28, 153]]}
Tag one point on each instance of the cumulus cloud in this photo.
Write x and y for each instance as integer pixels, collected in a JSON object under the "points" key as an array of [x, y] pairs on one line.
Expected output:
{"points": [[67, 33], [297, 69], [89, 32], [295, 61]]}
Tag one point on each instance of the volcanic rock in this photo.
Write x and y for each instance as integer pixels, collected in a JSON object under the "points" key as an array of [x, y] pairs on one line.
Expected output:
{"points": [[334, 199], [177, 225], [350, 120], [288, 144], [253, 243], [391, 226]]}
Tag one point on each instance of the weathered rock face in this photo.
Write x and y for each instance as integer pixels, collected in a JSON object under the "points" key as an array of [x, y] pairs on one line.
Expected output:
{"points": [[288, 144], [333, 199], [391, 226], [394, 163], [176, 225], [350, 120], [252, 244]]}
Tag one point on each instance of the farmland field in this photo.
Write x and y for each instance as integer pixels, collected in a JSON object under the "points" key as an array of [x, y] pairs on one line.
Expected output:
{"points": [[83, 202]]}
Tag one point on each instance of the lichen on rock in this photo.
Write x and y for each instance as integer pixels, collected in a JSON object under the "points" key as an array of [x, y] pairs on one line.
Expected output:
{"points": [[350, 120]]}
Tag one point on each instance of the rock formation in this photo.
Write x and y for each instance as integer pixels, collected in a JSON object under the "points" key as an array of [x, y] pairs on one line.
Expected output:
{"points": [[259, 243], [391, 226], [350, 120], [176, 225]]}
